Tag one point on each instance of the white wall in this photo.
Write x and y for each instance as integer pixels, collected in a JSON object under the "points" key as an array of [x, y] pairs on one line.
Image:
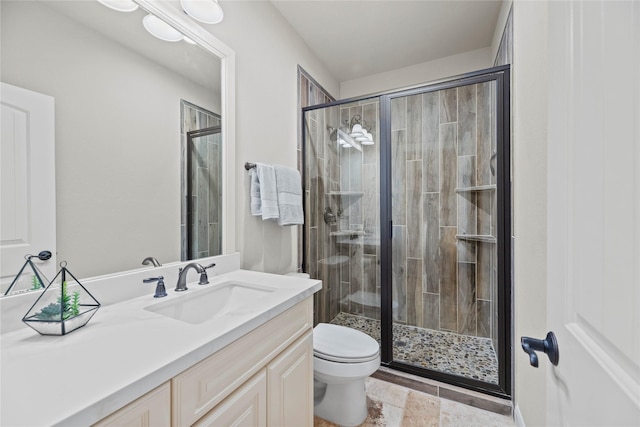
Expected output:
{"points": [[530, 74], [499, 30], [417, 74], [268, 52]]}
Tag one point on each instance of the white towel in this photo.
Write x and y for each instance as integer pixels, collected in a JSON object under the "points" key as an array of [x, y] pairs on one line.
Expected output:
{"points": [[256, 203], [289, 189], [266, 189]]}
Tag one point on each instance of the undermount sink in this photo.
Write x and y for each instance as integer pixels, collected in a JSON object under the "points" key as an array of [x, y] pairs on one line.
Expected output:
{"points": [[217, 301]]}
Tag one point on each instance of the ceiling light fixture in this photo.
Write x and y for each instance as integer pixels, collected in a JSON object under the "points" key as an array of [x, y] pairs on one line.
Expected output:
{"points": [[160, 29], [207, 11], [120, 5]]}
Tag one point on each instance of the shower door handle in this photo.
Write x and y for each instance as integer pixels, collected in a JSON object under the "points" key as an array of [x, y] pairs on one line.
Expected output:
{"points": [[549, 346]]}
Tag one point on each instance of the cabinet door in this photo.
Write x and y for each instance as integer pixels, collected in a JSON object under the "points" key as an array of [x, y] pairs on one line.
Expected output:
{"points": [[151, 410], [205, 385], [246, 407], [290, 385]]}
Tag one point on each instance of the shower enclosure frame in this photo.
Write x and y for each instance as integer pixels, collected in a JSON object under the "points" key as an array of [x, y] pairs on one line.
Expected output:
{"points": [[501, 76], [191, 252]]}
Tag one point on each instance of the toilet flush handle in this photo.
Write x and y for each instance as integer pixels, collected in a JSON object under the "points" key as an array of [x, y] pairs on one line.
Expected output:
{"points": [[549, 346]]}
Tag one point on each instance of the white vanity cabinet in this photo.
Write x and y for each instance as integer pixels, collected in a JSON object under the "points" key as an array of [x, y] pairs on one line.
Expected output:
{"points": [[264, 378], [151, 410], [279, 395]]}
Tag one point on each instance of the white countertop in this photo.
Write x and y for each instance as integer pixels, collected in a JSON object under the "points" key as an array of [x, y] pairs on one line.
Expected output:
{"points": [[122, 353]]}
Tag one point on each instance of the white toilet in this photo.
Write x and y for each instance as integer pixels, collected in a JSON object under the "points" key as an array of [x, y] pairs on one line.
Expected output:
{"points": [[343, 358]]}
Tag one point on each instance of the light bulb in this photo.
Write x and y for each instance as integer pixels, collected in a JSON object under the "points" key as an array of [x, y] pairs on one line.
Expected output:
{"points": [[207, 11], [160, 29], [120, 5]]}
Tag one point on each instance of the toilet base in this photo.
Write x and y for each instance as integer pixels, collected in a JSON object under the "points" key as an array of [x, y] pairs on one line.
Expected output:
{"points": [[344, 404]]}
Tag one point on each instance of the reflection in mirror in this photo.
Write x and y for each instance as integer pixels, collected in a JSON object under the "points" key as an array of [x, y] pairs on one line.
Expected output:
{"points": [[202, 206], [118, 127]]}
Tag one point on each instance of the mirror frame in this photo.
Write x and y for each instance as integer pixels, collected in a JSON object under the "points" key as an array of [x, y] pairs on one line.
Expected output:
{"points": [[187, 26]]}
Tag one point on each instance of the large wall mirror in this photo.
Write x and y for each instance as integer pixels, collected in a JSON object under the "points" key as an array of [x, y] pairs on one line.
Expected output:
{"points": [[124, 103]]}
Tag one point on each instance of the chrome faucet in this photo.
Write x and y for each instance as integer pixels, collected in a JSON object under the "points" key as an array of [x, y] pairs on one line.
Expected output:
{"points": [[182, 275], [151, 260]]}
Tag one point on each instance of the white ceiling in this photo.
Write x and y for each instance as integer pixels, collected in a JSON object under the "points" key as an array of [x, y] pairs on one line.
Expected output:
{"points": [[356, 38]]}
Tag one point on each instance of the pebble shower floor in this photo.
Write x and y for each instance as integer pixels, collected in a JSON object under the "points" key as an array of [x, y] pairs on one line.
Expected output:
{"points": [[467, 356]]}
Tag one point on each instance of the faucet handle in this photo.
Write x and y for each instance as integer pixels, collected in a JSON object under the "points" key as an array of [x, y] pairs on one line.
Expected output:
{"points": [[204, 279], [160, 288]]}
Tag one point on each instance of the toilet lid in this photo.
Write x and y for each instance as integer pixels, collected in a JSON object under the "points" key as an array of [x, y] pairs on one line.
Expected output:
{"points": [[342, 344]]}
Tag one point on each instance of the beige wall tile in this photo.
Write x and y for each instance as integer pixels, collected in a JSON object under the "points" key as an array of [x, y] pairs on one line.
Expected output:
{"points": [[448, 105], [414, 209], [448, 175], [414, 127]]}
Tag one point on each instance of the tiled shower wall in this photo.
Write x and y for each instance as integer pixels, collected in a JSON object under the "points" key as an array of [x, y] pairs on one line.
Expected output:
{"points": [[442, 144], [206, 182]]}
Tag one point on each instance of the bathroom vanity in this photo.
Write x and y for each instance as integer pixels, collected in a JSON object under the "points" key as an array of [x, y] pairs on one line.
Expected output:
{"points": [[139, 361]]}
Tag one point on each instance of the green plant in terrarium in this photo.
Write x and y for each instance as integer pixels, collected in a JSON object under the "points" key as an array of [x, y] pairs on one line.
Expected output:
{"points": [[75, 303], [36, 283], [67, 306]]}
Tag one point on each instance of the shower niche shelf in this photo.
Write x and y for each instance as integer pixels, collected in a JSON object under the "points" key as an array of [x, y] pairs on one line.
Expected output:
{"points": [[476, 188], [348, 233], [345, 193], [484, 238]]}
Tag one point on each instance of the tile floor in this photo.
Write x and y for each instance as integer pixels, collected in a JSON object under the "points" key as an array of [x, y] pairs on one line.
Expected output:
{"points": [[467, 356], [391, 405]]}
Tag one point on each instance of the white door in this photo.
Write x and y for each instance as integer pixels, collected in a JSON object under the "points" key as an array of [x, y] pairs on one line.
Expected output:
{"points": [[27, 191], [594, 212]]}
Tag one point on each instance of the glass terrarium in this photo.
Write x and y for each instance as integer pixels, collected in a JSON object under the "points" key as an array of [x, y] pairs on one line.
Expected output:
{"points": [[64, 306], [29, 278]]}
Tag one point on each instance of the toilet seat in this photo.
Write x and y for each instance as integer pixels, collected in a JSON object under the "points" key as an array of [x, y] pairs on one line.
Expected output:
{"points": [[341, 344]]}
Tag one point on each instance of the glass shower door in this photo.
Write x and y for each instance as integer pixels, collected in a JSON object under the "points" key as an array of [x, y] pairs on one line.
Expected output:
{"points": [[342, 195], [444, 232]]}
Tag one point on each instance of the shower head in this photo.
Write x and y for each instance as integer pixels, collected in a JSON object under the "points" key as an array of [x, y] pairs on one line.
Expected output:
{"points": [[333, 133]]}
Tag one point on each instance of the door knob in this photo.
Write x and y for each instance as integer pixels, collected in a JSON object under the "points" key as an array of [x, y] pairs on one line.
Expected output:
{"points": [[549, 346]]}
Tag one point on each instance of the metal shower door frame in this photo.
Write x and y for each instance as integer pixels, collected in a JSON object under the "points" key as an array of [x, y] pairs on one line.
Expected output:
{"points": [[501, 77]]}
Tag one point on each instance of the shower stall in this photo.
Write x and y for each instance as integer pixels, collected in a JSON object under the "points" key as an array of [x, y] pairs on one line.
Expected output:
{"points": [[407, 223]]}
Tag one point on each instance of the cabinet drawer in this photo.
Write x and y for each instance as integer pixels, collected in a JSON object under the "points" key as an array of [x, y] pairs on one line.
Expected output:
{"points": [[151, 410], [201, 387]]}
